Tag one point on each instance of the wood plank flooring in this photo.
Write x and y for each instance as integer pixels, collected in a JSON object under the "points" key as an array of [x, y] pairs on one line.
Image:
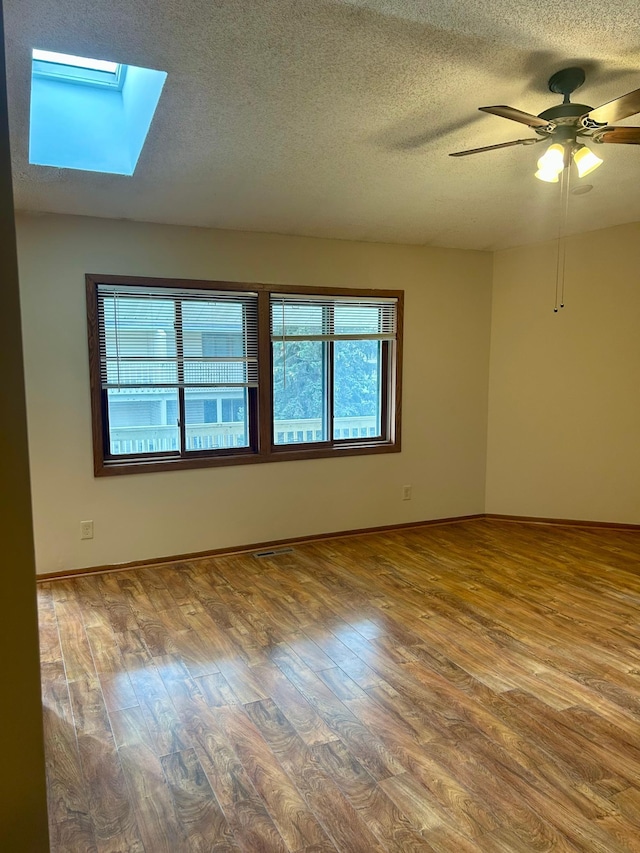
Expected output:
{"points": [[471, 687]]}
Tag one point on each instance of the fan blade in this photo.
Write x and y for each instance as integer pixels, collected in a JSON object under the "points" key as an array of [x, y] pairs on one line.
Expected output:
{"points": [[528, 141], [624, 135], [627, 105], [515, 115]]}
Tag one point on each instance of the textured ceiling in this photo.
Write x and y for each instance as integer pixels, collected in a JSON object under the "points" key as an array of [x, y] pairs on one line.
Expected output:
{"points": [[335, 117]]}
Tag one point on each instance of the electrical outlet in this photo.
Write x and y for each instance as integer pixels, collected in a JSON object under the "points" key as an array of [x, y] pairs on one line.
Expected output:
{"points": [[406, 493], [86, 529]]}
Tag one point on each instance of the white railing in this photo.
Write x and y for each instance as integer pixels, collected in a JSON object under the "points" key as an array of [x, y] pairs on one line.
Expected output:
{"points": [[310, 429], [165, 438]]}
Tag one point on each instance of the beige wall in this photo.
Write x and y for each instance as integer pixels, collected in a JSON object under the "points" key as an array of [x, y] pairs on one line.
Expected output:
{"points": [[448, 304], [564, 400]]}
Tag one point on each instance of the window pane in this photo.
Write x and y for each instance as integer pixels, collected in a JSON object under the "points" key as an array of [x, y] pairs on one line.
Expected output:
{"points": [[75, 61], [299, 392], [143, 421], [357, 397], [206, 428]]}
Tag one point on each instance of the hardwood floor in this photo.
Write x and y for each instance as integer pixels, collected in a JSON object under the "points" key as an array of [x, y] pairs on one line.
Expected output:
{"points": [[473, 687]]}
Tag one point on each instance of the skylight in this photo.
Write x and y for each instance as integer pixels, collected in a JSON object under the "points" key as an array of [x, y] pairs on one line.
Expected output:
{"points": [[90, 114]]}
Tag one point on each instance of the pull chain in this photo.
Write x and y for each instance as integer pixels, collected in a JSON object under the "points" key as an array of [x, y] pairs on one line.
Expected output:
{"points": [[566, 187], [561, 249]]}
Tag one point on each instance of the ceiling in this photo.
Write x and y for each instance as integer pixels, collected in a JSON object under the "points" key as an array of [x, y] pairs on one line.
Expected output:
{"points": [[334, 118]]}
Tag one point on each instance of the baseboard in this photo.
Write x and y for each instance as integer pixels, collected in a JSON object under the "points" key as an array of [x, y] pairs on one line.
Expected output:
{"points": [[561, 522], [247, 549], [341, 534]]}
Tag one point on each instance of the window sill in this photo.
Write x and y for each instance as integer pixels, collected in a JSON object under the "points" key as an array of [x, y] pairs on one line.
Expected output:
{"points": [[281, 453]]}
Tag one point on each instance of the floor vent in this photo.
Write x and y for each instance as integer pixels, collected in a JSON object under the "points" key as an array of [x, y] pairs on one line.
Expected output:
{"points": [[275, 553]]}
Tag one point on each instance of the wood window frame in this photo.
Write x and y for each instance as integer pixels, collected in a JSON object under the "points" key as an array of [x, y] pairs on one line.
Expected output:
{"points": [[262, 447]]}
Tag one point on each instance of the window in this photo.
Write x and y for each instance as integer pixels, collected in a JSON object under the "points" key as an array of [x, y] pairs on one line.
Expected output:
{"points": [[330, 358], [191, 374]]}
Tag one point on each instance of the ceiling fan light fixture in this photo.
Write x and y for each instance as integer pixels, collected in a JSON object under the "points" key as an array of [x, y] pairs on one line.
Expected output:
{"points": [[551, 177], [551, 164], [553, 159], [586, 161]]}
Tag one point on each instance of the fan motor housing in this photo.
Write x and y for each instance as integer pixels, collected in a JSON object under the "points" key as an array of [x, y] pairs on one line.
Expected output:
{"points": [[569, 112]]}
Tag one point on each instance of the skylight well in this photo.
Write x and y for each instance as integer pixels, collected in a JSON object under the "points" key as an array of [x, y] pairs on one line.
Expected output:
{"points": [[90, 114]]}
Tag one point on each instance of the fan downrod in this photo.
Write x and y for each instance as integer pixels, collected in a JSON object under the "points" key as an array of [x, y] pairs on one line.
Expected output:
{"points": [[566, 81]]}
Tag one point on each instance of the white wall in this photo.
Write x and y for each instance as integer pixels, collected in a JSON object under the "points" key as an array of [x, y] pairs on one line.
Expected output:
{"points": [[447, 303], [564, 401]]}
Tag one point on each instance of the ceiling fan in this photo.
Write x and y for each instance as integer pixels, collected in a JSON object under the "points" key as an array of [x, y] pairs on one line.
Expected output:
{"points": [[567, 125]]}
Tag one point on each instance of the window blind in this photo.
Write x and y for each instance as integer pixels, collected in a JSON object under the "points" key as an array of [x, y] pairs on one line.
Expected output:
{"points": [[185, 338], [335, 318]]}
